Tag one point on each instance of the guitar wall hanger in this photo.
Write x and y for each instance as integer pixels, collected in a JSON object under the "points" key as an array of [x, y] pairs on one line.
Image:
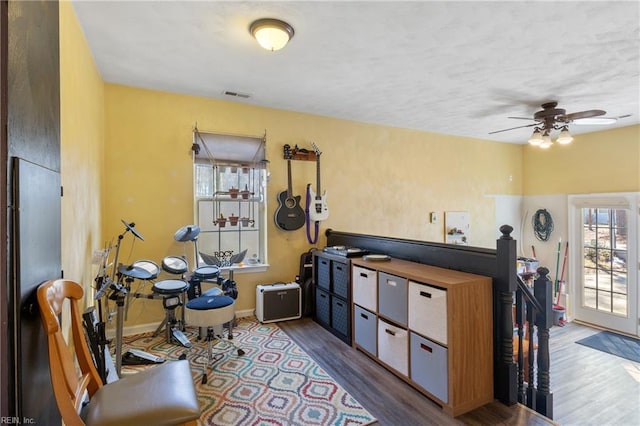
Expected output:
{"points": [[301, 154]]}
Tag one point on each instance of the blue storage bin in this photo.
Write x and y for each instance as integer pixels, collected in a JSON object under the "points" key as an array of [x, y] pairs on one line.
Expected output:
{"points": [[340, 278], [323, 307], [429, 366], [323, 275], [340, 316], [392, 297], [365, 329]]}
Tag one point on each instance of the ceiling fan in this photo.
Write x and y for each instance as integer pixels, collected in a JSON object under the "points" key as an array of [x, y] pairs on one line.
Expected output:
{"points": [[553, 118]]}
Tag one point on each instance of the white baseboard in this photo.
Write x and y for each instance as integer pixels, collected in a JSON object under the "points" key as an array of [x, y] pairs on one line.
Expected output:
{"points": [[245, 313], [146, 328]]}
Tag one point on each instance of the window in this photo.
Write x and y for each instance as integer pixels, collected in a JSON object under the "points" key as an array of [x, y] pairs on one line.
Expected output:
{"points": [[230, 199]]}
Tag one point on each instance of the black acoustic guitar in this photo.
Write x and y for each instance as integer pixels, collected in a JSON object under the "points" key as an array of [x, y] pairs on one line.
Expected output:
{"points": [[289, 214]]}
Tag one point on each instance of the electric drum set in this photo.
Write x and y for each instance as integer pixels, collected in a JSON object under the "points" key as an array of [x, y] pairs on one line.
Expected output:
{"points": [[173, 291]]}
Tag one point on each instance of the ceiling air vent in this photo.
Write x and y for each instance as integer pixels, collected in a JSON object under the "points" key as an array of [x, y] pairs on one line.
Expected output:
{"points": [[236, 94]]}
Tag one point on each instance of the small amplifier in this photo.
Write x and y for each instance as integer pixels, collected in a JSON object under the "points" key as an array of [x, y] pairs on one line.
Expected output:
{"points": [[278, 302]]}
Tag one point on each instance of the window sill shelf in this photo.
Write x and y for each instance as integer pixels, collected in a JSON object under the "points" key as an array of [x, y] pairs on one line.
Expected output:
{"points": [[245, 269]]}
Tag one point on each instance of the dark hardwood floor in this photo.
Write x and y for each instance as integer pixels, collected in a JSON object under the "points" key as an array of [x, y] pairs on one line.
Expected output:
{"points": [[590, 387]]}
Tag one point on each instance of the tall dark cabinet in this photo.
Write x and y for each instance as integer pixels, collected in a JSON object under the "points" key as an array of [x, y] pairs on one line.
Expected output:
{"points": [[31, 201], [332, 290]]}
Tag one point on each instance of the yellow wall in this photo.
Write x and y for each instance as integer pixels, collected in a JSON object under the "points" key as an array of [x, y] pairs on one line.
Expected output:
{"points": [[126, 155], [380, 180], [606, 161], [82, 146]]}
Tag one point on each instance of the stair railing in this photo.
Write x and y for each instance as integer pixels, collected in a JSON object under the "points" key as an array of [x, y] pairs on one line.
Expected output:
{"points": [[536, 307]]}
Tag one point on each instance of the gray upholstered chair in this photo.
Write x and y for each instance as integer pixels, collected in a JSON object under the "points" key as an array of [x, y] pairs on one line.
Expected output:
{"points": [[160, 395]]}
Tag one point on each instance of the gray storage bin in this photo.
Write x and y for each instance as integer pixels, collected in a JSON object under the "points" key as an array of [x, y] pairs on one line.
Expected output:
{"points": [[365, 329], [392, 297], [323, 307], [323, 273], [429, 366], [340, 278], [340, 315]]}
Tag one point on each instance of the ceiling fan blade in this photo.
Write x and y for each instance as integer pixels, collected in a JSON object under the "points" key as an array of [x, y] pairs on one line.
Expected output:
{"points": [[599, 121], [585, 114], [523, 118], [513, 128]]}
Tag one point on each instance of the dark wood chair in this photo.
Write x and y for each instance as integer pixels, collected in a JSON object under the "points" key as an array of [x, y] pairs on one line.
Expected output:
{"points": [[161, 395]]}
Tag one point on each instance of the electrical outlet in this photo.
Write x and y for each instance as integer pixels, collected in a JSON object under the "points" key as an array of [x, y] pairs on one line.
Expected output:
{"points": [[433, 217]]}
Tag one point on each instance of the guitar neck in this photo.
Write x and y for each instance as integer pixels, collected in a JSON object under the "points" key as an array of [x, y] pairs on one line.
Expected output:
{"points": [[318, 175], [289, 190]]}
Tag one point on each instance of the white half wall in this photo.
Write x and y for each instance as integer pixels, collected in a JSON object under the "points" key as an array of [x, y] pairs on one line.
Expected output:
{"points": [[508, 212]]}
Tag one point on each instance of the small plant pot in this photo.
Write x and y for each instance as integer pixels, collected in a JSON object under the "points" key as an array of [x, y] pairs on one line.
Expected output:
{"points": [[233, 192], [222, 222], [245, 195], [233, 220], [245, 221]]}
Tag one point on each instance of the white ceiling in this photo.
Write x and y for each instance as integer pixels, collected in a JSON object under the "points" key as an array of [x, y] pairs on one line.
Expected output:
{"points": [[453, 67]]}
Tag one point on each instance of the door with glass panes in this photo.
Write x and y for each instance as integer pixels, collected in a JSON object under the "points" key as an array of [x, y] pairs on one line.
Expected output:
{"points": [[604, 265]]}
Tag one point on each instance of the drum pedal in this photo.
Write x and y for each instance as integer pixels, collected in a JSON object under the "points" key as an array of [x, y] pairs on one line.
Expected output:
{"points": [[138, 357], [180, 337]]}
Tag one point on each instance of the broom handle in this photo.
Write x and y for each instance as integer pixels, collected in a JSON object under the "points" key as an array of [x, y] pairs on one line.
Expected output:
{"points": [[558, 264], [564, 263]]}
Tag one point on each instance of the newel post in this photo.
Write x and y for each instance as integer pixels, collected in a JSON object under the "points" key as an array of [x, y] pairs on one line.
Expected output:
{"points": [[505, 369], [543, 291]]}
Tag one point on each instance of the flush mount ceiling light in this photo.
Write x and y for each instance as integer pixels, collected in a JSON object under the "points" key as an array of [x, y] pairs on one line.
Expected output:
{"points": [[271, 34]]}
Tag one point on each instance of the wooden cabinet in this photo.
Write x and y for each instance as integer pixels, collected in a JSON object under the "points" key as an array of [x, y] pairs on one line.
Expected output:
{"points": [[434, 328], [332, 289]]}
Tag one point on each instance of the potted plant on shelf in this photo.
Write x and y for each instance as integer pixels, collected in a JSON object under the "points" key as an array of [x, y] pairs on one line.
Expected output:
{"points": [[234, 192], [233, 220], [245, 193], [221, 221]]}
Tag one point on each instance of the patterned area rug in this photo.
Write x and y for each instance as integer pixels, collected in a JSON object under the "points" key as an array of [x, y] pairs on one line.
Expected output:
{"points": [[274, 383]]}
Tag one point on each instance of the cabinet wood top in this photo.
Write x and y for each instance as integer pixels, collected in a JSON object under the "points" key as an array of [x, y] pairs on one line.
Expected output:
{"points": [[419, 272]]}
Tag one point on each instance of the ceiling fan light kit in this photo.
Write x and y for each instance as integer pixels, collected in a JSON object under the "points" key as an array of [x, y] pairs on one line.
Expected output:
{"points": [[536, 137], [552, 118], [546, 141], [565, 137], [272, 34]]}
